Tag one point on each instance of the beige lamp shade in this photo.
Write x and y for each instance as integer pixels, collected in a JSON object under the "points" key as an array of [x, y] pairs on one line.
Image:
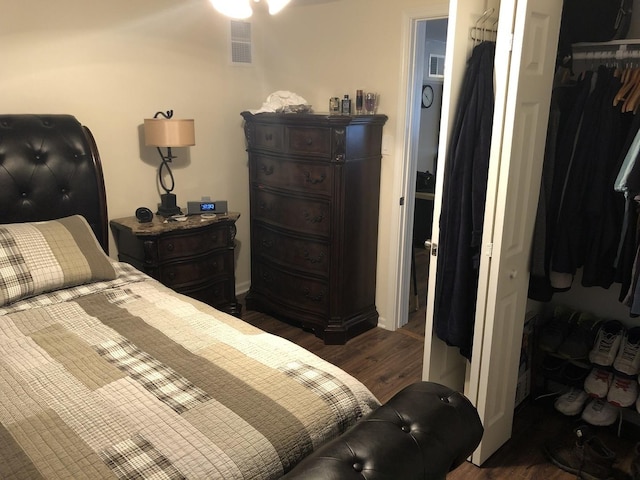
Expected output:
{"points": [[161, 132]]}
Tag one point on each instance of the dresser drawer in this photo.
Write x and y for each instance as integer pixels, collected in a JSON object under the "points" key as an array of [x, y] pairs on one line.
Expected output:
{"points": [[294, 213], [270, 137], [196, 270], [290, 289], [301, 254], [177, 246], [300, 176], [309, 141]]}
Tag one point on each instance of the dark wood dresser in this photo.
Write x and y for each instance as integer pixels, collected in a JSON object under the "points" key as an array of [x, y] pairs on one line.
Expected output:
{"points": [[315, 188], [195, 257]]}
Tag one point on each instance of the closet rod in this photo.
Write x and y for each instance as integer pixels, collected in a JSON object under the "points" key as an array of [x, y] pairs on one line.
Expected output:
{"points": [[619, 50]]}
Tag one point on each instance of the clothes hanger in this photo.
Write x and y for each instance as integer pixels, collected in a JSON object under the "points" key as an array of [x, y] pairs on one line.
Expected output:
{"points": [[629, 82], [633, 98]]}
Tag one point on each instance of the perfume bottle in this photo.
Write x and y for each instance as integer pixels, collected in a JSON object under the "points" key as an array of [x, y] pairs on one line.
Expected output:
{"points": [[335, 106], [346, 105], [359, 102]]}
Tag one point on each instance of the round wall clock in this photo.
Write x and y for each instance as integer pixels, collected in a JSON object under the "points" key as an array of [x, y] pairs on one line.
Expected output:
{"points": [[427, 96]]}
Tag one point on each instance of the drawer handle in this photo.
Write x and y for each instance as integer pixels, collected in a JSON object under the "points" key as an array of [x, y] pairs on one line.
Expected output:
{"points": [[310, 218], [214, 237], [264, 206], [340, 158], [318, 259], [267, 243], [309, 141], [171, 247], [267, 170], [171, 275], [268, 137], [314, 181], [314, 298], [267, 277]]}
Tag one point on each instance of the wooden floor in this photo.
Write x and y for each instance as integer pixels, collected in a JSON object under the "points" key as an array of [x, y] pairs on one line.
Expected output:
{"points": [[388, 361]]}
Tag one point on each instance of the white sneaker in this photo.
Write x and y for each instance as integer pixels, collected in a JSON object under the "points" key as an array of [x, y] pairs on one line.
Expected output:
{"points": [[607, 343], [572, 402], [623, 391], [600, 413], [628, 359], [598, 382]]}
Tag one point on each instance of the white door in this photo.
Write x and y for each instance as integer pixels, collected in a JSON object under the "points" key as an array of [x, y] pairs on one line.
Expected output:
{"points": [[525, 60]]}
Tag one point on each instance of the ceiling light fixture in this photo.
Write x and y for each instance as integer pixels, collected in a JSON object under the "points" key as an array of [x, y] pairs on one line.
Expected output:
{"points": [[242, 8]]}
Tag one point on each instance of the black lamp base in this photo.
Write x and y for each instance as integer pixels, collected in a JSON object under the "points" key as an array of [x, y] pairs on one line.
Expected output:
{"points": [[168, 205]]}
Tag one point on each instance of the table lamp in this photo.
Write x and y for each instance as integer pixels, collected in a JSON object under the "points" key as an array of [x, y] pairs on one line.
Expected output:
{"points": [[164, 131]]}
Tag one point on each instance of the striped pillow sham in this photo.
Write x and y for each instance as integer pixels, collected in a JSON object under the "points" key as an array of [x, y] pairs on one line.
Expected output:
{"points": [[44, 256]]}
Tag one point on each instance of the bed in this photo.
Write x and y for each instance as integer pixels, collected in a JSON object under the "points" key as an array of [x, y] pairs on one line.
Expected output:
{"points": [[106, 373]]}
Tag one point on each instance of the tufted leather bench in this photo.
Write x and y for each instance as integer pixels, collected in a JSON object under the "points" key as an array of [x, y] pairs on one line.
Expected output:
{"points": [[50, 167], [423, 432]]}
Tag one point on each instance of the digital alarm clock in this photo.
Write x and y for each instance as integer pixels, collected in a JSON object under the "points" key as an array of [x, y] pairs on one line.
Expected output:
{"points": [[208, 206]]}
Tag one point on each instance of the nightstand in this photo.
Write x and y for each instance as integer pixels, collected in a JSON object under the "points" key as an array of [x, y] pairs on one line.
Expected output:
{"points": [[194, 257]]}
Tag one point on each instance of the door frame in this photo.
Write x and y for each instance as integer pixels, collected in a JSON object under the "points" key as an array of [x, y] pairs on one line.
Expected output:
{"points": [[413, 26]]}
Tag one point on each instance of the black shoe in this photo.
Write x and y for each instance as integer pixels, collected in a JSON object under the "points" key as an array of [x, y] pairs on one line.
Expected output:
{"points": [[583, 455], [578, 343], [556, 329]]}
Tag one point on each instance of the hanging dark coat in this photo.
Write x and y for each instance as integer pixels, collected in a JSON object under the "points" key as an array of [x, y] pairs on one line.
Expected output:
{"points": [[463, 201]]}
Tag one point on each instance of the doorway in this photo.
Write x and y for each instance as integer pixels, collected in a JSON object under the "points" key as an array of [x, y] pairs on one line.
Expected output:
{"points": [[432, 33]]}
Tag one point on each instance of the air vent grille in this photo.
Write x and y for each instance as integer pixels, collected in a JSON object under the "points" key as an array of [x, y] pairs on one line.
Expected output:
{"points": [[240, 42]]}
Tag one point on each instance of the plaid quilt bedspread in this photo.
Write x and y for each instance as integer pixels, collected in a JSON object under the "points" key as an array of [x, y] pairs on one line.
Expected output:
{"points": [[126, 379]]}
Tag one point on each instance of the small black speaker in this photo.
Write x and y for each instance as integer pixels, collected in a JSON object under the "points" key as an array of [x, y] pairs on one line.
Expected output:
{"points": [[144, 215]]}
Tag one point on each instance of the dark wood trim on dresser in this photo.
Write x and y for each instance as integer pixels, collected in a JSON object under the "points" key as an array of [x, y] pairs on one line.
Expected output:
{"points": [[194, 257], [314, 194]]}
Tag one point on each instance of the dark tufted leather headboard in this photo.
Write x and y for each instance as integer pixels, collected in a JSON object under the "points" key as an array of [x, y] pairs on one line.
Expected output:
{"points": [[50, 168]]}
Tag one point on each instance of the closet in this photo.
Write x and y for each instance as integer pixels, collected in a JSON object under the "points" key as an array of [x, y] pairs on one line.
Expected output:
{"points": [[525, 55]]}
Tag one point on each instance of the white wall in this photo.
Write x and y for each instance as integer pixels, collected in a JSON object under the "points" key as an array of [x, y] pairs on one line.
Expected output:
{"points": [[111, 64]]}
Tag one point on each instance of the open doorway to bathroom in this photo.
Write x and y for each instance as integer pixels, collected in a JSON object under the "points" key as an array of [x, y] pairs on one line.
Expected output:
{"points": [[426, 163]]}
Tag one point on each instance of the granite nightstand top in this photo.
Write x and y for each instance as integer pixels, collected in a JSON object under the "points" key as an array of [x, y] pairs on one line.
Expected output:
{"points": [[161, 225]]}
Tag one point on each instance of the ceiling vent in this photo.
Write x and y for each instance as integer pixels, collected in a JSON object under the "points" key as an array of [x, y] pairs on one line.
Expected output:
{"points": [[240, 42]]}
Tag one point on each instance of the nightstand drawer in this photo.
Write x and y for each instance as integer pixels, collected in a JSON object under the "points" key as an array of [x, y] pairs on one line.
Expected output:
{"points": [[293, 175], [299, 253], [310, 141], [295, 213], [176, 246], [219, 293], [269, 137], [196, 270]]}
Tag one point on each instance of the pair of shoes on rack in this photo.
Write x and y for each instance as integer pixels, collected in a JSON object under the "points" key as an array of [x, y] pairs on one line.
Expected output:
{"points": [[627, 360], [607, 343], [582, 454], [564, 371], [594, 411], [556, 329], [572, 402], [599, 412], [569, 334], [619, 390]]}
